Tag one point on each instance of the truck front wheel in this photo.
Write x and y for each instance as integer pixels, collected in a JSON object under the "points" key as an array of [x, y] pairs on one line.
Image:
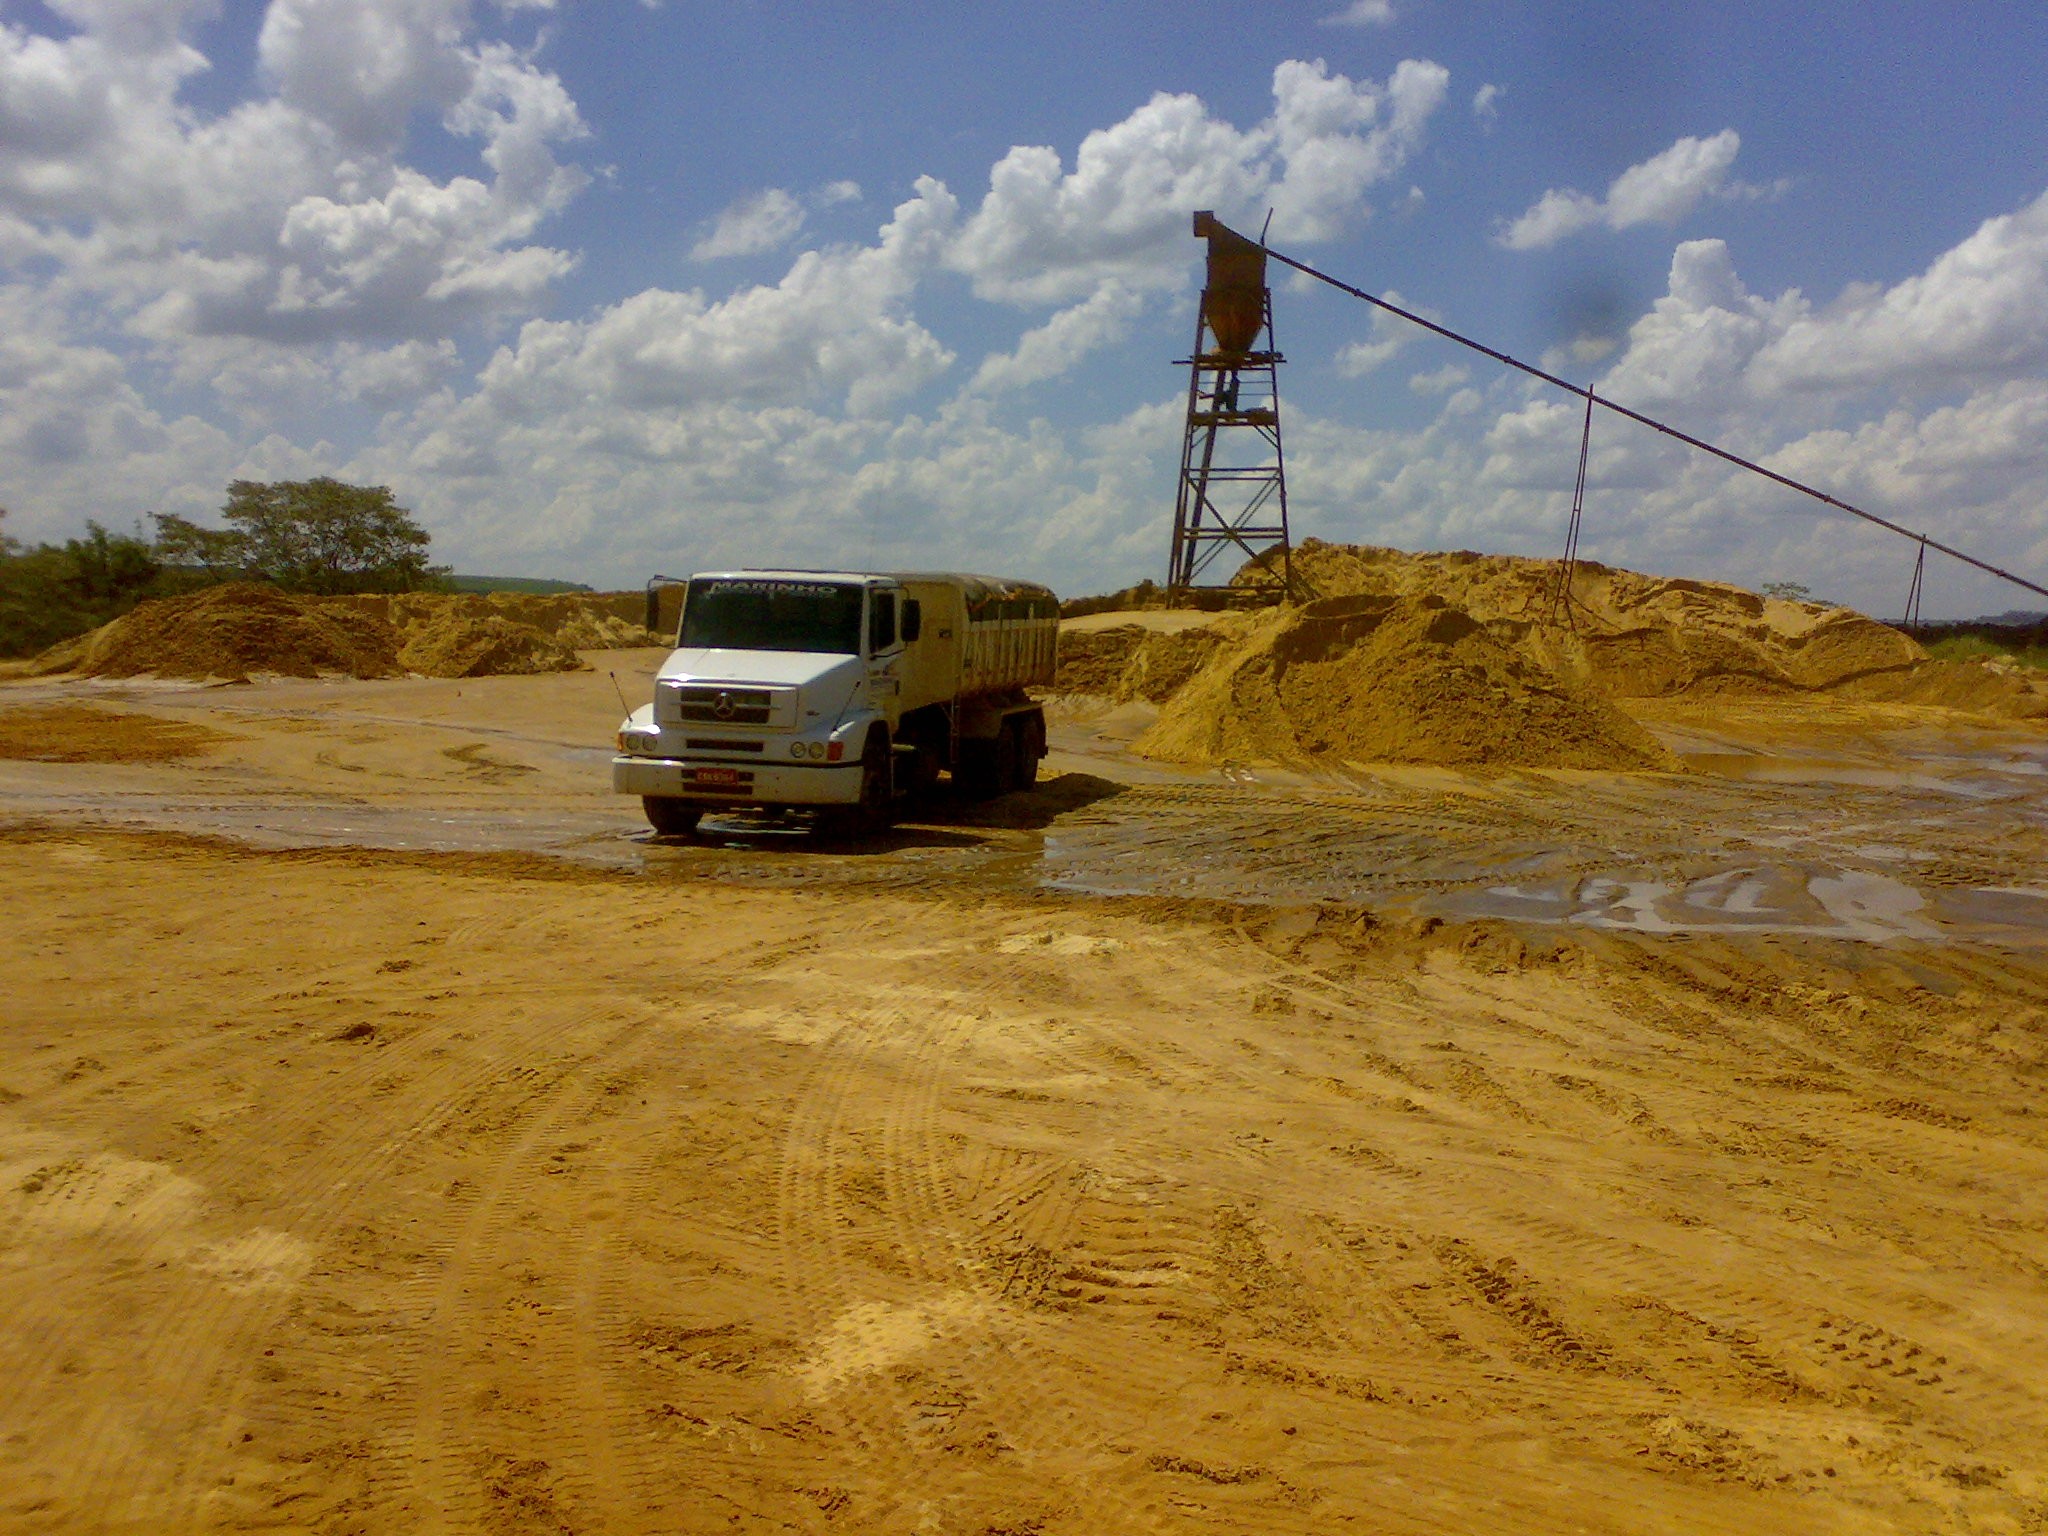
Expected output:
{"points": [[669, 816], [876, 808], [877, 783]]}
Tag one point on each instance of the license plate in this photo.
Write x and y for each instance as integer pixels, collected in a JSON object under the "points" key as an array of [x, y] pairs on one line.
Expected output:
{"points": [[715, 776]]}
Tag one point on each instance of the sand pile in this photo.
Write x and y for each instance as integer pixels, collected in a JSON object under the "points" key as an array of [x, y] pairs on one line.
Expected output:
{"points": [[583, 621], [1635, 636], [1389, 680], [1128, 661], [231, 631], [453, 643]]}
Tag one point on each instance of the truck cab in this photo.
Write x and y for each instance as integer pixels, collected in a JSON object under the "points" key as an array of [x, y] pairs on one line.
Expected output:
{"points": [[833, 691]]}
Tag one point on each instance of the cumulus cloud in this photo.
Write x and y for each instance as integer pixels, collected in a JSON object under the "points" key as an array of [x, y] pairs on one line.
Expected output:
{"points": [[1925, 401], [1440, 381], [77, 437], [361, 69], [294, 252], [1979, 311], [1044, 234], [767, 220], [1661, 190], [1362, 13], [579, 419], [834, 329], [1390, 336], [1051, 349], [291, 217], [762, 222], [1486, 104]]}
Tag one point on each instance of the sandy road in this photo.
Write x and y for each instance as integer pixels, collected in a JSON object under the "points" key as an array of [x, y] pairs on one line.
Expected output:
{"points": [[749, 1187], [528, 1200]]}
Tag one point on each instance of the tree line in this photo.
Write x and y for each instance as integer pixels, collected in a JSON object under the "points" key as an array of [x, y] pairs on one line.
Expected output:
{"points": [[318, 536]]}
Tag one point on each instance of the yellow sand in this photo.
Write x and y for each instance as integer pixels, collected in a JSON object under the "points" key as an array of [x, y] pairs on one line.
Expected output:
{"points": [[1390, 680], [238, 629]]}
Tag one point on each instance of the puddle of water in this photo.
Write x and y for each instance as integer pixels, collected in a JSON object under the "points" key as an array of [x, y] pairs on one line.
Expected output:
{"points": [[1842, 850]]}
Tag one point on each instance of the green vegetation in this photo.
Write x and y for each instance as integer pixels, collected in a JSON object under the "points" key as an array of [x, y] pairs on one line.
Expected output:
{"points": [[532, 586], [1979, 647], [318, 536], [54, 591]]}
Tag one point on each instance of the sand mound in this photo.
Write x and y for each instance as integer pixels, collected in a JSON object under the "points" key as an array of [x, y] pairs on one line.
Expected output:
{"points": [[582, 621], [1129, 661], [1634, 636], [1093, 661], [454, 644], [234, 630], [230, 631], [1389, 680]]}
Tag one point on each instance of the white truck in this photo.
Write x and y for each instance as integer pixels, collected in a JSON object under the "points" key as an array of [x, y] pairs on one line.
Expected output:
{"points": [[838, 691]]}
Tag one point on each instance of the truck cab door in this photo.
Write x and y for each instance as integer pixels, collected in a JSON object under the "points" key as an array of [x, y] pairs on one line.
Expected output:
{"points": [[885, 648]]}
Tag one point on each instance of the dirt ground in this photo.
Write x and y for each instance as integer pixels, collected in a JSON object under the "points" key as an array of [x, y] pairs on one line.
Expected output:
{"points": [[395, 1137]]}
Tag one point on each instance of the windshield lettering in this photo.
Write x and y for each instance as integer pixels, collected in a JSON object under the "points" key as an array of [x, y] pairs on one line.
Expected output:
{"points": [[749, 614]]}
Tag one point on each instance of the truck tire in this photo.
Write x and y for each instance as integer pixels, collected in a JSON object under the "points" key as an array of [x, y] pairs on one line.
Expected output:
{"points": [[1009, 754], [1030, 748], [876, 809], [977, 776], [669, 816]]}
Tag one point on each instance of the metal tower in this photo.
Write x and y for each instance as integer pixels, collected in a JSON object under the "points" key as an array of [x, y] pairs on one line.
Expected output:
{"points": [[1233, 472]]}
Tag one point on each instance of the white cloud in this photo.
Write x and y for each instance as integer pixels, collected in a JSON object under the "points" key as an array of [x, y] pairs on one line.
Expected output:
{"points": [[767, 220], [290, 218], [1486, 104], [1390, 336], [292, 252], [1979, 312], [1362, 13], [362, 69], [1047, 235], [1100, 320], [762, 222], [1440, 381], [1825, 393], [1661, 190], [834, 330], [78, 439]]}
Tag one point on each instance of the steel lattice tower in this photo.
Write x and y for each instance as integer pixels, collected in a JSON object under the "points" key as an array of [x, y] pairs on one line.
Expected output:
{"points": [[1233, 468]]}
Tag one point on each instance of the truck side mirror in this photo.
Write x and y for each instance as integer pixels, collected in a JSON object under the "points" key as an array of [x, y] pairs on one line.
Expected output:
{"points": [[654, 586], [913, 618]]}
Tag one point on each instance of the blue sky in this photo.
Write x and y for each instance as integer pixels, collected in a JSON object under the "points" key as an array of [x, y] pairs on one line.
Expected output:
{"points": [[605, 289]]}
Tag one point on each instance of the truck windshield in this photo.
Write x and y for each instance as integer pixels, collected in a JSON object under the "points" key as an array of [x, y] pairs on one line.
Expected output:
{"points": [[739, 613]]}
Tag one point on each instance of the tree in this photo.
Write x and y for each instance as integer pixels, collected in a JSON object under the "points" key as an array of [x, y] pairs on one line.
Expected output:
{"points": [[51, 592], [110, 572], [1790, 591], [320, 536]]}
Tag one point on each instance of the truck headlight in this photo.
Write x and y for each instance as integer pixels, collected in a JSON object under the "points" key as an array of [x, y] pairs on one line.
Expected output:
{"points": [[796, 749]]}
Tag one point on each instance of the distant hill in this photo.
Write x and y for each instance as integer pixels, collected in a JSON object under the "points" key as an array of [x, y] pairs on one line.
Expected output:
{"points": [[537, 586]]}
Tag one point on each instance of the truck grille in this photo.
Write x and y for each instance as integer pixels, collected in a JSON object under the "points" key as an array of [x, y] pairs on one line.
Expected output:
{"points": [[724, 706], [711, 744]]}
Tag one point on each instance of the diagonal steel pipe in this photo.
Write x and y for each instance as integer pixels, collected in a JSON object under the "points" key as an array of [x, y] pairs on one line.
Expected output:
{"points": [[1657, 426]]}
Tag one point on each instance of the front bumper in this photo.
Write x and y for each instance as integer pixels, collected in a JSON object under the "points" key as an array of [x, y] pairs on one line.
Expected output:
{"points": [[757, 783]]}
